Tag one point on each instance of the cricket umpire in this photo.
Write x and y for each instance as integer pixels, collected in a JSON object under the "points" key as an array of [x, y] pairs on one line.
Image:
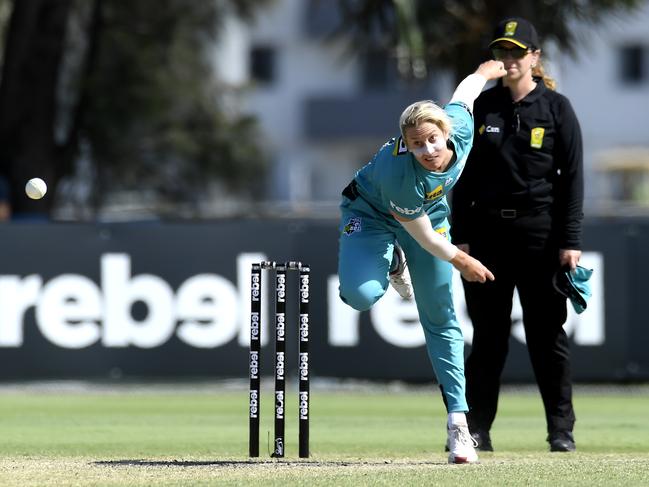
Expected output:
{"points": [[518, 209]]}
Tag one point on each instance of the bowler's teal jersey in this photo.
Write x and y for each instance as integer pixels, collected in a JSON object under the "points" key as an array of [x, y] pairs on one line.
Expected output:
{"points": [[393, 181]]}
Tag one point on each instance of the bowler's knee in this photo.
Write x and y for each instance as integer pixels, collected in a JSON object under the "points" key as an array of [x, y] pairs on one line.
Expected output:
{"points": [[361, 297]]}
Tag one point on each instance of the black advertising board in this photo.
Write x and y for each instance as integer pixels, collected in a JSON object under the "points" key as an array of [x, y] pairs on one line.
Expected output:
{"points": [[171, 300]]}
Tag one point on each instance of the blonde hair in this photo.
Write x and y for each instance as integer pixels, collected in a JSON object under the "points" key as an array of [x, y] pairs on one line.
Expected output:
{"points": [[538, 71], [424, 111]]}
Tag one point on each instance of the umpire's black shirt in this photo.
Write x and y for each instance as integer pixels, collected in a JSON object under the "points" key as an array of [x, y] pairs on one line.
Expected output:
{"points": [[526, 157]]}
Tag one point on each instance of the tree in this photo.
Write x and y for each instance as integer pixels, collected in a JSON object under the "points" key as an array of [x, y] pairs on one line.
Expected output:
{"points": [[33, 53], [451, 33], [126, 95]]}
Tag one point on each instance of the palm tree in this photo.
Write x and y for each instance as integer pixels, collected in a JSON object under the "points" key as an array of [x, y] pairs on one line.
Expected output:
{"points": [[452, 34]]}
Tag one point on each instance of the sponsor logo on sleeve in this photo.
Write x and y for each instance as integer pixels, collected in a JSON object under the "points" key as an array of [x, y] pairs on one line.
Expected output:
{"points": [[405, 211]]}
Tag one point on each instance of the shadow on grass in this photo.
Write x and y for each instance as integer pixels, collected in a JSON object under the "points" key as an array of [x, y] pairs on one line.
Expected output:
{"points": [[254, 463]]}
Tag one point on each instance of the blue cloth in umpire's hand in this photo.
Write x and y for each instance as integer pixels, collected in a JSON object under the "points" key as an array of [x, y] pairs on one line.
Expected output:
{"points": [[574, 285]]}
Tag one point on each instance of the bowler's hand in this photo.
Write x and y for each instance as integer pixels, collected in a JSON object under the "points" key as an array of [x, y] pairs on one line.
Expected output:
{"points": [[569, 258], [492, 69], [471, 269]]}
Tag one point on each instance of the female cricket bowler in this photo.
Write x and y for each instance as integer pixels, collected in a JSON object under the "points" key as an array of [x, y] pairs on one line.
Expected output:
{"points": [[400, 196]]}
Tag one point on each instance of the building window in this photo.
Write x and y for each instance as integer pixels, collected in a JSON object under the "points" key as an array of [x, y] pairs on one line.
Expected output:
{"points": [[633, 63], [379, 70], [375, 70], [262, 64], [322, 19]]}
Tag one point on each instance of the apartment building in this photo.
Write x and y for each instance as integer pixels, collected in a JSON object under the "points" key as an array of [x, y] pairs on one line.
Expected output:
{"points": [[324, 110]]}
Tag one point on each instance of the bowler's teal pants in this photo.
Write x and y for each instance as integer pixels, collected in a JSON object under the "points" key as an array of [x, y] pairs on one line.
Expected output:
{"points": [[365, 254]]}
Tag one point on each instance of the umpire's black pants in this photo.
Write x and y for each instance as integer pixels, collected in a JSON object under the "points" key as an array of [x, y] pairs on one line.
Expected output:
{"points": [[521, 254]]}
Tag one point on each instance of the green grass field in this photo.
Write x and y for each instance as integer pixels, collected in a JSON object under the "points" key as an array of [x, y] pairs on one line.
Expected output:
{"points": [[359, 436]]}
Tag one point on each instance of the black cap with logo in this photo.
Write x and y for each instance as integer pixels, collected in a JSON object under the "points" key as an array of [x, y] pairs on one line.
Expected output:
{"points": [[517, 31]]}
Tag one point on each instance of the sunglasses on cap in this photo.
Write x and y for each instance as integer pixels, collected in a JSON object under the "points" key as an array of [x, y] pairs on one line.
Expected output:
{"points": [[515, 53]]}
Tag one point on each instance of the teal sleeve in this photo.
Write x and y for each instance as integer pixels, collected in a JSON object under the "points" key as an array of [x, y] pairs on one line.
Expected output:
{"points": [[401, 192], [405, 203], [462, 131]]}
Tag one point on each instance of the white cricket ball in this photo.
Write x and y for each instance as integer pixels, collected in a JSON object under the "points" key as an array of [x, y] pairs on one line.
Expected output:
{"points": [[36, 188]]}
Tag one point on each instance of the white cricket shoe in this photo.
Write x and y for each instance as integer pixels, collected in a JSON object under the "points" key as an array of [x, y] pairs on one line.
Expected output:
{"points": [[400, 277], [461, 445]]}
